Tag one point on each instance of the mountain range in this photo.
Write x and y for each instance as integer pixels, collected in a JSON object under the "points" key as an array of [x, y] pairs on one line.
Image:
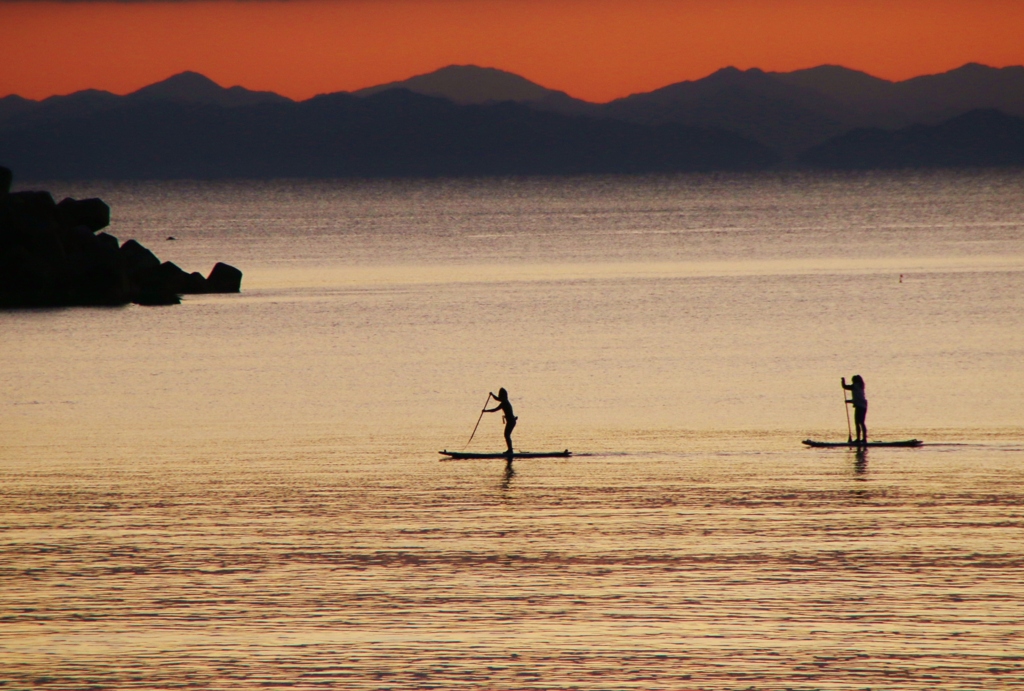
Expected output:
{"points": [[465, 120], [788, 111]]}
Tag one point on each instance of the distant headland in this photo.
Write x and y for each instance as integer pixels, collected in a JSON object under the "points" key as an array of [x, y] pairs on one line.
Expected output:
{"points": [[469, 120]]}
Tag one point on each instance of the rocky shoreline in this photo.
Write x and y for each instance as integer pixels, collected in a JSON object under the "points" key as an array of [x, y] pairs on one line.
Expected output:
{"points": [[55, 255]]}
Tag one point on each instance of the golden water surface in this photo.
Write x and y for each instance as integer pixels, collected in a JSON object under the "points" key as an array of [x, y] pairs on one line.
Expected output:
{"points": [[244, 491]]}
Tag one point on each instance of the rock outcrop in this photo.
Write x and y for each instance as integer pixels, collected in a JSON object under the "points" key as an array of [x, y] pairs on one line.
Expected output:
{"points": [[54, 255], [224, 278]]}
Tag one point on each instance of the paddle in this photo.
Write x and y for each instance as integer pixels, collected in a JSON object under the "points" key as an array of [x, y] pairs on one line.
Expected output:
{"points": [[482, 417], [846, 407]]}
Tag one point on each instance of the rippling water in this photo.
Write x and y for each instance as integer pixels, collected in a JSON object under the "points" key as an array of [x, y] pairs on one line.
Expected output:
{"points": [[244, 490]]}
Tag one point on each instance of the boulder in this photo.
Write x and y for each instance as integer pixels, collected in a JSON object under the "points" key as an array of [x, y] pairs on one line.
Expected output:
{"points": [[136, 259], [224, 278], [33, 210], [26, 280], [176, 279], [171, 275], [29, 220], [76, 239], [91, 213], [95, 273], [156, 285], [108, 240], [33, 262], [196, 284], [54, 255], [156, 295]]}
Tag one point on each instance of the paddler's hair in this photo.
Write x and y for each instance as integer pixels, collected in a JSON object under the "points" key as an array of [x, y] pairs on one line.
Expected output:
{"points": [[502, 394]]}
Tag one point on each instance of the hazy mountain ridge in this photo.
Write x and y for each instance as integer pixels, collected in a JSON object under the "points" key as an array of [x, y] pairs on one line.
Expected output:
{"points": [[468, 84], [186, 87], [789, 111], [472, 85], [927, 99], [751, 103], [188, 126], [391, 134], [983, 137], [192, 87]]}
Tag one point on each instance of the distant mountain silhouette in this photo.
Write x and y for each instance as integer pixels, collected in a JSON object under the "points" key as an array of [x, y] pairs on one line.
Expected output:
{"points": [[14, 105], [393, 133], [188, 125], [16, 111], [940, 96], [752, 103], [192, 87], [840, 84], [469, 84], [978, 138], [928, 100], [186, 87]]}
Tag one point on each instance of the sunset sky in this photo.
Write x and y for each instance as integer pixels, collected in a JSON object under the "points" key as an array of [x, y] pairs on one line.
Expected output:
{"points": [[593, 49]]}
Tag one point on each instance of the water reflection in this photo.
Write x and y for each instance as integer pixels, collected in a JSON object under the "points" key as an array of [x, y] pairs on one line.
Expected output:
{"points": [[506, 478], [234, 493], [860, 466], [629, 571]]}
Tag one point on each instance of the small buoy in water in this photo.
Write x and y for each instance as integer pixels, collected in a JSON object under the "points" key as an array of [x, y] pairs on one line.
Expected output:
{"points": [[171, 237], [901, 278]]}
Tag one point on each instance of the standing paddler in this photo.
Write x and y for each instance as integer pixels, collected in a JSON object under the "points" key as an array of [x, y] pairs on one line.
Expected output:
{"points": [[860, 406], [507, 416]]}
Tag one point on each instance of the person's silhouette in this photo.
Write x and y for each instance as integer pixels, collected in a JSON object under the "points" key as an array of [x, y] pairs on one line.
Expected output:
{"points": [[860, 406], [507, 416]]}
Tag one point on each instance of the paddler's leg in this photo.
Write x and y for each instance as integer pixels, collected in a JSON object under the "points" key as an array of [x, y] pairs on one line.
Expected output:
{"points": [[509, 426], [859, 414]]}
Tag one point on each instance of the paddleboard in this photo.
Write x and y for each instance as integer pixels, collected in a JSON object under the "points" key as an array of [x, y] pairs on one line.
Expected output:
{"points": [[854, 444], [460, 455]]}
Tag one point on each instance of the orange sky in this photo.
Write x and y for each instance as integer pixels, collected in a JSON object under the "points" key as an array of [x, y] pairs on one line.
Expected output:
{"points": [[593, 49]]}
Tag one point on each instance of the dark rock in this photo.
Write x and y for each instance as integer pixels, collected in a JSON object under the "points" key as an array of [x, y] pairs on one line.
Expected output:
{"points": [[224, 278], [27, 280], [76, 239], [181, 282], [156, 285], [35, 209], [28, 220], [137, 259], [52, 255], [156, 295], [108, 240], [95, 272], [196, 284], [171, 275], [92, 213]]}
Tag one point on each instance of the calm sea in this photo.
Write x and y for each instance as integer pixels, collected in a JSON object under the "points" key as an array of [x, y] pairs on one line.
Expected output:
{"points": [[244, 490]]}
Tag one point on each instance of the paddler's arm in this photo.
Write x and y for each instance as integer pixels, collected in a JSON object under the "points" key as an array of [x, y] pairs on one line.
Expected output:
{"points": [[490, 395]]}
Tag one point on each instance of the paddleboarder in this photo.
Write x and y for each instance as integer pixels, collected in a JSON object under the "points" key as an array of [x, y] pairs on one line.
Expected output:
{"points": [[507, 417], [860, 406]]}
